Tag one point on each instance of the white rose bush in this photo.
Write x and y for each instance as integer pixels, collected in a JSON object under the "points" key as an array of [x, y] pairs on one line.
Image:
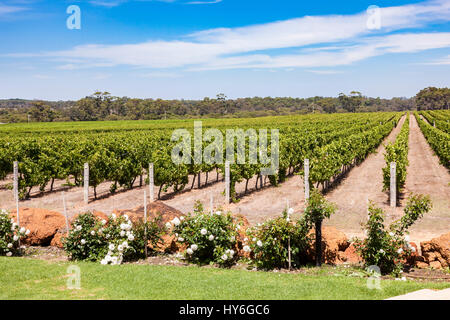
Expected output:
{"points": [[10, 234], [208, 238], [109, 241], [268, 243]]}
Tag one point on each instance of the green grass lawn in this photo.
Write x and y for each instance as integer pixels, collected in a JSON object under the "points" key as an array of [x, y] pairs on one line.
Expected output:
{"points": [[37, 279]]}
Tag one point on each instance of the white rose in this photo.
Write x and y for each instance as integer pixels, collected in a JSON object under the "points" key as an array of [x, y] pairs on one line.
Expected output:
{"points": [[245, 239], [218, 213], [27, 232], [181, 218], [92, 233], [122, 233], [113, 216], [194, 247], [83, 241], [103, 222], [224, 257], [246, 248], [111, 247], [399, 250], [203, 231], [407, 238], [290, 211], [211, 237], [176, 221], [104, 262], [259, 243], [189, 251], [125, 216], [22, 230], [120, 247], [9, 254], [15, 238], [168, 225], [10, 245], [125, 244], [231, 252], [413, 249], [130, 237], [391, 234], [78, 228], [381, 251], [180, 239], [232, 238]]}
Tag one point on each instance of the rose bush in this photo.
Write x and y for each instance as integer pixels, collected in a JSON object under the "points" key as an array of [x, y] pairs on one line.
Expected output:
{"points": [[10, 235], [388, 248], [110, 241], [209, 238], [270, 241]]}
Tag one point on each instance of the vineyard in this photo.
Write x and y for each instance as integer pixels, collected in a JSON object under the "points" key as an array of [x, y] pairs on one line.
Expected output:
{"points": [[332, 143], [349, 157]]}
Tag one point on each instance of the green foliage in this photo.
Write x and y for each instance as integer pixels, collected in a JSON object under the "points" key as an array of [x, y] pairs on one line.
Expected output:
{"points": [[438, 140], [398, 153], [209, 238], [388, 248], [10, 235], [269, 243], [317, 209], [109, 241]]}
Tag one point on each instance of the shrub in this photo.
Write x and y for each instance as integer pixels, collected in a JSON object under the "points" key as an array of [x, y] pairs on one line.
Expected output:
{"points": [[209, 238], [109, 241], [388, 248], [10, 235], [317, 209], [269, 243]]}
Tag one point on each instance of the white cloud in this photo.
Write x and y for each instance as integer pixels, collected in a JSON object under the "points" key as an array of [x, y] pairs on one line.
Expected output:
{"points": [[325, 72], [205, 2], [338, 40], [6, 9], [171, 75], [442, 61]]}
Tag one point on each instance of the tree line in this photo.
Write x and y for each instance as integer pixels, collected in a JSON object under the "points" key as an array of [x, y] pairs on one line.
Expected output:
{"points": [[104, 106]]}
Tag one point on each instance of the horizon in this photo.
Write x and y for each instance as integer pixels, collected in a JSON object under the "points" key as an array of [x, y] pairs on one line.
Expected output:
{"points": [[189, 50]]}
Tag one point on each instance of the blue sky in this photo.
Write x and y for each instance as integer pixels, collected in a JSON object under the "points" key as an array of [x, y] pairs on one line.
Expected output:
{"points": [[192, 49]]}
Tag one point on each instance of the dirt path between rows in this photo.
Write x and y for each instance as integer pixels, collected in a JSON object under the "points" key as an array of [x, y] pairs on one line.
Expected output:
{"points": [[363, 183], [427, 176]]}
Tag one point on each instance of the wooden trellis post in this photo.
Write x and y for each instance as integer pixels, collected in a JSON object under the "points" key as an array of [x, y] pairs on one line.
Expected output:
{"points": [[306, 168], [16, 188], [65, 212], [145, 224], [86, 183], [227, 182], [151, 181], [393, 185]]}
